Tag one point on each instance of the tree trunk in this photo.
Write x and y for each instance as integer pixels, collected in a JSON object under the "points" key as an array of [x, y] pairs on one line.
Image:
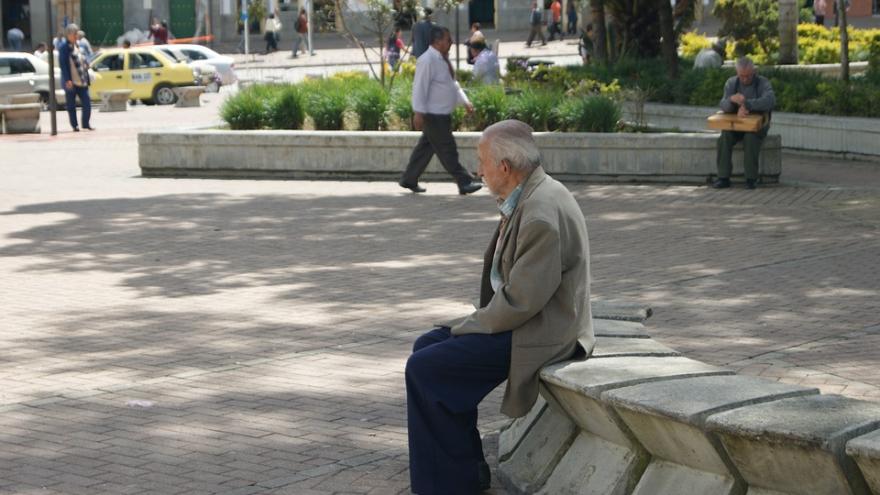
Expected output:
{"points": [[844, 43], [667, 32], [788, 21], [600, 47]]}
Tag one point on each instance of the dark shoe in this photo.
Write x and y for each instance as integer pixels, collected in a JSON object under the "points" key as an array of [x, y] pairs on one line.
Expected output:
{"points": [[412, 187], [485, 476], [89, 127], [751, 183], [76, 129], [721, 183], [469, 188]]}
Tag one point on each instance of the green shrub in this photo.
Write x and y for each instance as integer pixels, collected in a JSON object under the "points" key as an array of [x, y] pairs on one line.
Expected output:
{"points": [[401, 101], [326, 103], [248, 109], [490, 106], [756, 20], [369, 101], [595, 113], [708, 88], [286, 109], [535, 107], [874, 60]]}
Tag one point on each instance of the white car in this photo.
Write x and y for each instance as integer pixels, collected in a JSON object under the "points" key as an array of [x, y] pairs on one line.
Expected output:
{"points": [[206, 73], [201, 54], [22, 72]]}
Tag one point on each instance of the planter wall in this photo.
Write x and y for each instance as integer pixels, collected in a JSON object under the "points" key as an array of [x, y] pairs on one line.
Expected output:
{"points": [[366, 155], [848, 135]]}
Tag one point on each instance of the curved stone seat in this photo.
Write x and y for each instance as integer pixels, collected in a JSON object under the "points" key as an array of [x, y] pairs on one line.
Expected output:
{"points": [[619, 328], [865, 450]]}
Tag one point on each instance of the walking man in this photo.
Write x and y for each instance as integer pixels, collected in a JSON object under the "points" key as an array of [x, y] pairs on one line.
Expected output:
{"points": [[434, 97], [421, 34], [556, 25], [534, 311], [75, 78], [744, 93], [535, 23], [301, 33]]}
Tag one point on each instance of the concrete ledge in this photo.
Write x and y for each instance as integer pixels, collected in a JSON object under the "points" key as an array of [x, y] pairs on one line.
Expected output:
{"points": [[115, 100], [823, 133], [375, 155], [20, 118], [649, 423], [188, 96]]}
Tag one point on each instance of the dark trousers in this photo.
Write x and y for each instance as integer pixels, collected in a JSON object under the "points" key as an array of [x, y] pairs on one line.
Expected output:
{"points": [[436, 138], [751, 148], [70, 97], [536, 30], [555, 29], [446, 378]]}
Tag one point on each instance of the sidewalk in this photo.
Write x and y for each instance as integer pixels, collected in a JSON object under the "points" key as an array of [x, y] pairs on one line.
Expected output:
{"points": [[239, 337]]}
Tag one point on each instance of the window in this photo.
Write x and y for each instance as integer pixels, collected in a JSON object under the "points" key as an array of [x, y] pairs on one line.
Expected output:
{"points": [[22, 66], [110, 62], [5, 67], [143, 61], [195, 55]]}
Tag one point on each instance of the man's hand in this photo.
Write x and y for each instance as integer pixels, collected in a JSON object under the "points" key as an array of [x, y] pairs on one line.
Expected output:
{"points": [[742, 112], [469, 107], [418, 121], [738, 98], [68, 85]]}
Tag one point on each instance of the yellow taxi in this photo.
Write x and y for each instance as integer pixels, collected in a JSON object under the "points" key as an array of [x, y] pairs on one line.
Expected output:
{"points": [[150, 74]]}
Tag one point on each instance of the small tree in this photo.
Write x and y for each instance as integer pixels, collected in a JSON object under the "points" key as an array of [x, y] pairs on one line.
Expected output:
{"points": [[749, 19], [380, 17]]}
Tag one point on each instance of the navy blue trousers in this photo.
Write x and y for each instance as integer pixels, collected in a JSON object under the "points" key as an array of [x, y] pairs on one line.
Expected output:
{"points": [[70, 99], [446, 378]]}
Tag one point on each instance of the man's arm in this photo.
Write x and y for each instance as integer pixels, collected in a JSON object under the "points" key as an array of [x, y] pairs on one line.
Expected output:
{"points": [[726, 105], [534, 278], [64, 63], [765, 101]]}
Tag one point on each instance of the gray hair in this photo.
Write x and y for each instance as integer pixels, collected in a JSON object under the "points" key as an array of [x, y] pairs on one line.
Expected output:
{"points": [[744, 63], [438, 33], [71, 28], [512, 140]]}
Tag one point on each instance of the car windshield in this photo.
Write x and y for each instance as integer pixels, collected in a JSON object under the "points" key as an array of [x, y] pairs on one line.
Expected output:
{"points": [[176, 56]]}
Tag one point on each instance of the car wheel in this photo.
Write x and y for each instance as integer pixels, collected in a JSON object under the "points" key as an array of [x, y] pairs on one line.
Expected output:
{"points": [[163, 94], [44, 99]]}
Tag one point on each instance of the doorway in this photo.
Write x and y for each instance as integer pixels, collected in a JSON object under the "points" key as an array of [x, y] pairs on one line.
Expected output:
{"points": [[482, 11], [16, 13], [182, 18]]}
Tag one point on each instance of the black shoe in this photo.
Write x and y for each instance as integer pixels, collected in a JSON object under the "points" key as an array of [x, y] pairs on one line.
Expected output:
{"points": [[469, 188], [721, 183], [751, 183], [412, 187], [485, 476], [88, 127], [76, 129]]}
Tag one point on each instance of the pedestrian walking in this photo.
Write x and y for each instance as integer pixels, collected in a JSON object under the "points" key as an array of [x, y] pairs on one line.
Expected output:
{"points": [[84, 45], [435, 95], [159, 32], [556, 20], [572, 18], [41, 52], [421, 34], [585, 45], [301, 33], [536, 25], [394, 49], [15, 37], [475, 37], [819, 9], [75, 78], [271, 33]]}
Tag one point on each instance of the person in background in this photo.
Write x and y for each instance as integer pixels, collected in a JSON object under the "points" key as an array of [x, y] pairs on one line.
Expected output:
{"points": [[394, 49], [435, 95], [159, 32], [476, 35], [572, 17], [58, 40], [585, 45], [270, 32], [126, 44], [75, 78], [556, 24], [84, 44], [421, 34], [712, 57], [41, 52], [819, 9], [535, 25], [744, 93], [301, 33], [486, 68], [15, 36]]}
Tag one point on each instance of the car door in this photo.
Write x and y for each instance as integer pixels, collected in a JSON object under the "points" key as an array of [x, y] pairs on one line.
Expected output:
{"points": [[146, 72], [12, 80], [108, 71]]}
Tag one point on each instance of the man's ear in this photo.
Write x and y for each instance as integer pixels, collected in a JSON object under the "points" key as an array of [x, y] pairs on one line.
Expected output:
{"points": [[505, 164]]}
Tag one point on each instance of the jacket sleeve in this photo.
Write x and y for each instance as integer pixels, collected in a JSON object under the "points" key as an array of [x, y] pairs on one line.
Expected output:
{"points": [[765, 101], [726, 105], [64, 62], [534, 278]]}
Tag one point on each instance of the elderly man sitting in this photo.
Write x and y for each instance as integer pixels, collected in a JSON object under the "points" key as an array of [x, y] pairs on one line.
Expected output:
{"points": [[534, 311]]}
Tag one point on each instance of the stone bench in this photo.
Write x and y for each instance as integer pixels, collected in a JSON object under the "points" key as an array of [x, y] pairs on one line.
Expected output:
{"points": [[20, 118], [636, 418], [115, 100], [18, 99], [188, 96]]}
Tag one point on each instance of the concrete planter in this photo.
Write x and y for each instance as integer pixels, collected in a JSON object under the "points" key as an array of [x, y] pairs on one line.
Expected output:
{"points": [[339, 155], [848, 135]]}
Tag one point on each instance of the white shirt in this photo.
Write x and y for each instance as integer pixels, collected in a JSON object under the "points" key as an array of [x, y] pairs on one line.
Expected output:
{"points": [[486, 69], [434, 89]]}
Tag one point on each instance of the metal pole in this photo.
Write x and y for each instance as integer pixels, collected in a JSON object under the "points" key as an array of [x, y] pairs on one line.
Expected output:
{"points": [[457, 40], [309, 25], [51, 49], [247, 30]]}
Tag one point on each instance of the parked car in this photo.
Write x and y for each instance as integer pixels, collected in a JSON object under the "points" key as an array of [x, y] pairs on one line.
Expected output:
{"points": [[22, 72], [208, 75], [201, 54], [147, 71]]}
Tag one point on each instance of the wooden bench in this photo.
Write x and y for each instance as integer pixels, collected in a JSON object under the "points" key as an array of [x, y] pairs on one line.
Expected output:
{"points": [[20, 118], [115, 100], [188, 96]]}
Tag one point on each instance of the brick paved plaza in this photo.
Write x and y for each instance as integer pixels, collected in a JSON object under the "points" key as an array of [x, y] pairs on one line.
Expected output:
{"points": [[241, 337]]}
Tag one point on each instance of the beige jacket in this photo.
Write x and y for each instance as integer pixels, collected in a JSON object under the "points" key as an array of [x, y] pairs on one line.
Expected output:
{"points": [[545, 299]]}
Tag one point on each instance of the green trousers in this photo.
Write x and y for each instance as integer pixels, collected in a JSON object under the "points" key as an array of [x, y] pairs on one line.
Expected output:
{"points": [[752, 149]]}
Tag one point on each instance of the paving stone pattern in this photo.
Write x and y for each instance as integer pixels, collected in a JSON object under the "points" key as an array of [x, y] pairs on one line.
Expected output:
{"points": [[242, 337]]}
